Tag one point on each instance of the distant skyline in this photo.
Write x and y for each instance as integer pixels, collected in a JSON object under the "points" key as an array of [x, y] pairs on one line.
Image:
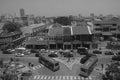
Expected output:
{"points": [[60, 7]]}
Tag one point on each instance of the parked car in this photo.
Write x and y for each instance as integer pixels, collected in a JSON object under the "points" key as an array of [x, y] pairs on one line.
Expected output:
{"points": [[6, 52], [19, 54], [53, 55], [34, 51], [97, 52], [27, 52], [109, 53], [37, 54], [116, 58]]}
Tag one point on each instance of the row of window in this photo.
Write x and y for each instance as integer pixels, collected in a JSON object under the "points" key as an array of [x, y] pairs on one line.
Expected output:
{"points": [[69, 38], [106, 24], [105, 29]]}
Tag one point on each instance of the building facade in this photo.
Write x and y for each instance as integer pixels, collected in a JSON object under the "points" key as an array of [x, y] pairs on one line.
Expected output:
{"points": [[11, 40], [106, 29]]}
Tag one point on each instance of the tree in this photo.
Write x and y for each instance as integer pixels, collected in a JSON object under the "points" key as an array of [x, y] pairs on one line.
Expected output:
{"points": [[11, 27], [63, 21]]}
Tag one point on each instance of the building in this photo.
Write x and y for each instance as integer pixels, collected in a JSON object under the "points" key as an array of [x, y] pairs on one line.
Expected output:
{"points": [[61, 37], [22, 12], [11, 40], [81, 37], [69, 37], [106, 29], [32, 29]]}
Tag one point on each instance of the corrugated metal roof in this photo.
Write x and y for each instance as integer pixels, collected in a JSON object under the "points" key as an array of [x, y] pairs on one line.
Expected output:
{"points": [[80, 30], [56, 31]]}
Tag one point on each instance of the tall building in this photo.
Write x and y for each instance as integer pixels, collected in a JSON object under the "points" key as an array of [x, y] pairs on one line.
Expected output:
{"points": [[22, 12]]}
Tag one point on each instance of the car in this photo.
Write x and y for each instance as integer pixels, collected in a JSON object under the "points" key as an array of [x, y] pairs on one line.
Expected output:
{"points": [[97, 52], [116, 58], [109, 53], [7, 52], [85, 58], [34, 51], [37, 54], [26, 52], [19, 54], [53, 55]]}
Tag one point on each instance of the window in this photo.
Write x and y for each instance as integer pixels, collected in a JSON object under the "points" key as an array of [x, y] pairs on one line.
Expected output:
{"points": [[114, 24], [106, 29], [83, 70], [97, 24], [98, 29], [112, 29]]}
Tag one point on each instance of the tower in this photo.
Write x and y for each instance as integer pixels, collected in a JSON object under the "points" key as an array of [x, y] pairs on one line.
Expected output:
{"points": [[22, 12]]}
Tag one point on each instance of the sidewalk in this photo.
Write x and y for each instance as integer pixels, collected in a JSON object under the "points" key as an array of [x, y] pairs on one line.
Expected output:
{"points": [[70, 63]]}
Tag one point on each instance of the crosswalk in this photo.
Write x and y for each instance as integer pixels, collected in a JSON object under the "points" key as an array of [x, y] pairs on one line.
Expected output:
{"points": [[37, 67], [47, 77]]}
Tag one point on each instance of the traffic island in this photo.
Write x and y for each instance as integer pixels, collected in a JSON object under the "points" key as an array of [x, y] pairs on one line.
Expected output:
{"points": [[68, 64]]}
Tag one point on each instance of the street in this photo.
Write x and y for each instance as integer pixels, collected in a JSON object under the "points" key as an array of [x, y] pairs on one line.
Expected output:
{"points": [[68, 70]]}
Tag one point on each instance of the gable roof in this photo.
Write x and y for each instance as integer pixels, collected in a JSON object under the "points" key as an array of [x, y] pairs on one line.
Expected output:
{"points": [[66, 31], [80, 30], [56, 31]]}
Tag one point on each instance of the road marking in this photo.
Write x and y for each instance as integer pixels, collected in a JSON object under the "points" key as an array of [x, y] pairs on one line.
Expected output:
{"points": [[78, 77], [49, 77], [74, 77], [67, 77], [71, 77], [35, 77], [37, 67], [38, 77], [42, 77], [45, 77], [82, 78], [60, 77], [52, 77], [56, 77], [64, 77]]}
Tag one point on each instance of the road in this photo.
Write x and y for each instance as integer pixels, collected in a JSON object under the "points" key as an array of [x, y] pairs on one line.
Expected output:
{"points": [[43, 73]]}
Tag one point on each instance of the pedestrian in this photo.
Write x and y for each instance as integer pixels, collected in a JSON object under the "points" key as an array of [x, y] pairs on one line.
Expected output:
{"points": [[102, 66], [29, 64]]}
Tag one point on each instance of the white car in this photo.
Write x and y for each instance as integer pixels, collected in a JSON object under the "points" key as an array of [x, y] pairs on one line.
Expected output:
{"points": [[19, 54]]}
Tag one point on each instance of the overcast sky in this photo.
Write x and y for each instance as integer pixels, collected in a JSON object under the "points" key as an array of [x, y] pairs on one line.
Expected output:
{"points": [[60, 7]]}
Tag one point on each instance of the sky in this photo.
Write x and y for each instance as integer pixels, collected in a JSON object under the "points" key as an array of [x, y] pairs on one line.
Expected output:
{"points": [[60, 7]]}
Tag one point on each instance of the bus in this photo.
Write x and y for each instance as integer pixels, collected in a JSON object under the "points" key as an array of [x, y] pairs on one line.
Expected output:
{"points": [[88, 66], [82, 50], [49, 63]]}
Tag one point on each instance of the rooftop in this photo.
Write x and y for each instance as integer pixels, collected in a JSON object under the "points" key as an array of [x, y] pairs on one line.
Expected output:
{"points": [[3, 34], [80, 30], [37, 41]]}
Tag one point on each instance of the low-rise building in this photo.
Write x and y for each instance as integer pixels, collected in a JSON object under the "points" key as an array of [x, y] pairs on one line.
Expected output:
{"points": [[11, 40], [106, 29]]}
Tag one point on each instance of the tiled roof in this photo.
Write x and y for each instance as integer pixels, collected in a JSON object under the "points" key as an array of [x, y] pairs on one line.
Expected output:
{"points": [[3, 34], [66, 31], [55, 31], [80, 30]]}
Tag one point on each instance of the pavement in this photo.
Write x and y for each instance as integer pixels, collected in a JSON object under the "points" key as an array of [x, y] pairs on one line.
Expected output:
{"points": [[69, 64]]}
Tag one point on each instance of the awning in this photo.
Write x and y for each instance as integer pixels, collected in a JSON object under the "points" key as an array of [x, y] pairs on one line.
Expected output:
{"points": [[51, 42], [67, 43], [106, 33]]}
